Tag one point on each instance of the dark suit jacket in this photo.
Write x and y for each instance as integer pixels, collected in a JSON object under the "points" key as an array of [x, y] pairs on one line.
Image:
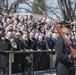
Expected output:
{"points": [[62, 61], [33, 43], [49, 43], [19, 43], [44, 57], [41, 45], [26, 44], [4, 46]]}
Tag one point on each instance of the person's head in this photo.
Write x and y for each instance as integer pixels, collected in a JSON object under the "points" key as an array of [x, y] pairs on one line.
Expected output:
{"points": [[23, 27], [46, 27], [9, 35], [19, 25], [2, 35], [31, 17], [32, 35], [17, 35], [54, 35], [4, 24], [24, 36], [2, 30], [10, 27], [26, 17], [36, 36], [21, 18], [15, 31], [49, 34], [45, 14], [15, 22], [40, 37], [15, 16], [72, 37], [74, 28], [65, 31], [38, 26], [8, 20]]}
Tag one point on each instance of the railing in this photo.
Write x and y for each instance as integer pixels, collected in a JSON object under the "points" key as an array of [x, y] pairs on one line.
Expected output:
{"points": [[29, 51], [11, 56]]}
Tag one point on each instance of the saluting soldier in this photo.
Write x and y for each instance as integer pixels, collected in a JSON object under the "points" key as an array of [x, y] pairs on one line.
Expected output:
{"points": [[64, 60]]}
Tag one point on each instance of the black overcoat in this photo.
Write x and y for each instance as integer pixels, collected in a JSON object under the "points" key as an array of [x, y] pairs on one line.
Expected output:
{"points": [[33, 43], [4, 46], [49, 43], [44, 57]]}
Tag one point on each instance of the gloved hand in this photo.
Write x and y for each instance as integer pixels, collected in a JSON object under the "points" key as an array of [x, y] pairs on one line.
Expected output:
{"points": [[72, 56]]}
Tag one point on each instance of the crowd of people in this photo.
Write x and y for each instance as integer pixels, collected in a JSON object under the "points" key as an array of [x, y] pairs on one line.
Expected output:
{"points": [[23, 32]]}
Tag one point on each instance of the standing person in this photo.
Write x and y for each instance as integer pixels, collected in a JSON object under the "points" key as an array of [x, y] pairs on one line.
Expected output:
{"points": [[33, 46], [25, 41], [42, 58], [50, 46], [18, 41], [33, 42], [18, 57], [4, 46], [64, 59], [49, 41], [26, 58]]}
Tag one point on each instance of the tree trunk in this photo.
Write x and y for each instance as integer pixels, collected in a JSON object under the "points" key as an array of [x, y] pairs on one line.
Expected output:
{"points": [[2, 4], [66, 9]]}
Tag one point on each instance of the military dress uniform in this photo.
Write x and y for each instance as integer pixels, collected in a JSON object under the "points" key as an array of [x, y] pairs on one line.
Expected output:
{"points": [[63, 64]]}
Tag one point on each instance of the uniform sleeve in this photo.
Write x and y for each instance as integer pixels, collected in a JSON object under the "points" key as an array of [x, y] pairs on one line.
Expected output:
{"points": [[60, 50]]}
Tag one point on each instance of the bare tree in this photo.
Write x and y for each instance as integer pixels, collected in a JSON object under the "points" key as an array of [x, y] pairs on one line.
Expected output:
{"points": [[66, 9], [52, 10], [38, 6], [14, 6]]}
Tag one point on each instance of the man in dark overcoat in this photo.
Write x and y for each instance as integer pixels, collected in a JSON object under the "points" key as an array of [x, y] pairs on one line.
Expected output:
{"points": [[49, 41], [43, 56], [5, 45], [18, 57], [33, 46], [32, 41]]}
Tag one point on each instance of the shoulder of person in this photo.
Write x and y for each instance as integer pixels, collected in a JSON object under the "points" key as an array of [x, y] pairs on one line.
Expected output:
{"points": [[7, 40], [60, 39]]}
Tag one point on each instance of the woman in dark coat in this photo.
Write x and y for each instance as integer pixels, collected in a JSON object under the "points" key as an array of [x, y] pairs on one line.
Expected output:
{"points": [[64, 62]]}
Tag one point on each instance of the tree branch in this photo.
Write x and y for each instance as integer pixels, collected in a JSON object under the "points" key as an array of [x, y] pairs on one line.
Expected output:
{"points": [[12, 5], [25, 9], [52, 11], [27, 4]]}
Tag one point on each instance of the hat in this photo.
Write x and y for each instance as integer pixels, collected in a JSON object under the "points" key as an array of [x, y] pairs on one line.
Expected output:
{"points": [[65, 30], [65, 24]]}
